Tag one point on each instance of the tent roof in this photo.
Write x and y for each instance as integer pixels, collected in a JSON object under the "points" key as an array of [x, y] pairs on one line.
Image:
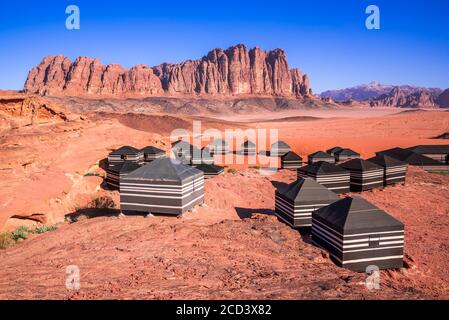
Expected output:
{"points": [[347, 152], [359, 164], [209, 168], [164, 169], [126, 150], [115, 167], [291, 156], [431, 149], [152, 150], [354, 214], [386, 161], [129, 166], [323, 167], [280, 145], [306, 190], [409, 156], [321, 154], [219, 142], [334, 149], [248, 143]]}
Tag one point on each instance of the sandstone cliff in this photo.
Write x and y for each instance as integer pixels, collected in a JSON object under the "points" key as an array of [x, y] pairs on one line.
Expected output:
{"points": [[403, 99], [235, 71]]}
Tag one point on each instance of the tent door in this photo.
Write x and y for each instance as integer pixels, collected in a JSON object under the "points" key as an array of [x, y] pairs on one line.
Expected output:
{"points": [[374, 241]]}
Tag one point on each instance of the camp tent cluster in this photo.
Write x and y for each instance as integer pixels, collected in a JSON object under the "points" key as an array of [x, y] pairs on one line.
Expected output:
{"points": [[320, 156], [425, 160]]}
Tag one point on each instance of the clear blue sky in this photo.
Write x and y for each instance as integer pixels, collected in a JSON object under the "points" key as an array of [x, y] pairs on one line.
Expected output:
{"points": [[327, 39]]}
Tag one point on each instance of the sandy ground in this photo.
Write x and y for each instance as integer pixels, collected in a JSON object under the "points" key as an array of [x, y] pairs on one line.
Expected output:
{"points": [[232, 248]]}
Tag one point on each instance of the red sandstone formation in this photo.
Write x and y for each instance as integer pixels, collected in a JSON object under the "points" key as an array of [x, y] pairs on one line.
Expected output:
{"points": [[235, 71]]}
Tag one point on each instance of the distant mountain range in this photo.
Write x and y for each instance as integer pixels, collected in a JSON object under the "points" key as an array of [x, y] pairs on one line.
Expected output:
{"points": [[381, 95]]}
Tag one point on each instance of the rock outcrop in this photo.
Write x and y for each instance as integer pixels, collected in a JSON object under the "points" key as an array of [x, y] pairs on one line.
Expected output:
{"points": [[373, 90], [235, 71], [443, 99], [403, 99]]}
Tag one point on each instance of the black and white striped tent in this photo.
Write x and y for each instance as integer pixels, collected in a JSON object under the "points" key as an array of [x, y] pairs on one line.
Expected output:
{"points": [[333, 150], [279, 148], [291, 161], [218, 146], [395, 170], [186, 153], [415, 159], [320, 156], [357, 235], [210, 170], [365, 175], [116, 172], [163, 186], [331, 176], [295, 204], [113, 175], [248, 148], [436, 152], [206, 156], [345, 155], [151, 153], [125, 153]]}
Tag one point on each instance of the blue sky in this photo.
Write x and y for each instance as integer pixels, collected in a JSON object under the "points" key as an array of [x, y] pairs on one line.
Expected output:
{"points": [[326, 39]]}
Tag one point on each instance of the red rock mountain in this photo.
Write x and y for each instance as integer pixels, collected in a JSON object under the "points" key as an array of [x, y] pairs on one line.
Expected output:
{"points": [[402, 99], [235, 71]]}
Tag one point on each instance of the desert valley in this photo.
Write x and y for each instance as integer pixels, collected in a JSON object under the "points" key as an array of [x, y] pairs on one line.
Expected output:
{"points": [[57, 133]]}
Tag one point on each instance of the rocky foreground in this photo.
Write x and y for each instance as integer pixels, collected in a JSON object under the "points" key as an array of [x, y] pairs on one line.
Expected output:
{"points": [[233, 248]]}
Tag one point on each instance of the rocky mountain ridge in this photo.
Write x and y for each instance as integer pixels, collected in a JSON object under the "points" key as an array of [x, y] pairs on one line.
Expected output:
{"points": [[230, 72]]}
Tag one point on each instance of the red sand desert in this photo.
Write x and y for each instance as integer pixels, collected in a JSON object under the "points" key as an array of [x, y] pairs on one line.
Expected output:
{"points": [[51, 171]]}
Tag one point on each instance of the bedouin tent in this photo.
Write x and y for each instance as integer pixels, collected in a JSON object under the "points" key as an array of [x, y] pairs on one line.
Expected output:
{"points": [[332, 151], [163, 186], [218, 146], [186, 153], [436, 152], [210, 170], [291, 161], [415, 159], [328, 174], [295, 204], [248, 148], [206, 156], [151, 153], [116, 172], [345, 155], [365, 175], [125, 153], [320, 156], [357, 234], [279, 148], [395, 170]]}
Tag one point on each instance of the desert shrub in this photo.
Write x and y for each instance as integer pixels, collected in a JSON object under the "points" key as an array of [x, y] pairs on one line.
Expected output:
{"points": [[44, 229], [231, 170], [102, 203], [6, 240], [19, 234], [90, 174]]}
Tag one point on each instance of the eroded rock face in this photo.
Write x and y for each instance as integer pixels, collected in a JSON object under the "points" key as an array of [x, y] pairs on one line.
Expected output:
{"points": [[235, 71], [443, 99], [402, 99]]}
